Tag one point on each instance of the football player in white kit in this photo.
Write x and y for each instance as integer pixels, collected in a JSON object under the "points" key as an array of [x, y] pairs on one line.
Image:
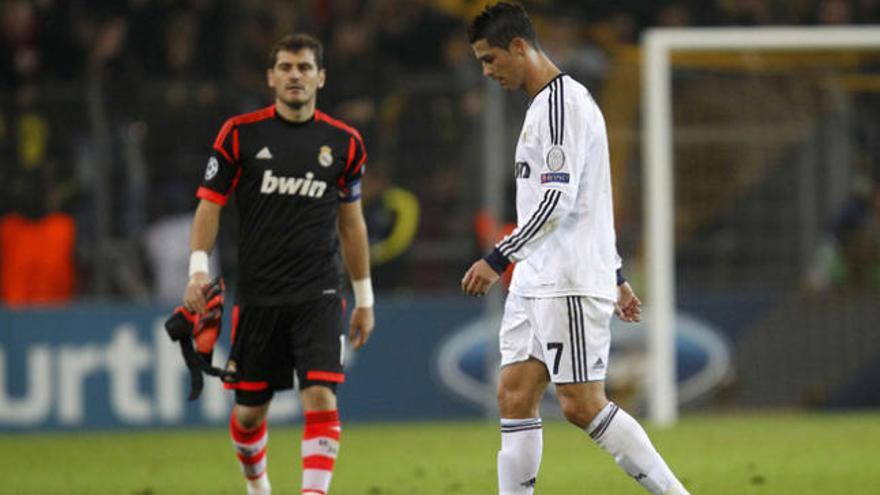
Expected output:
{"points": [[567, 281]]}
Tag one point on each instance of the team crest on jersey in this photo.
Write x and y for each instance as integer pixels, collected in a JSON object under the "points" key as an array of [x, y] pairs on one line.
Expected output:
{"points": [[325, 156], [555, 159], [212, 169]]}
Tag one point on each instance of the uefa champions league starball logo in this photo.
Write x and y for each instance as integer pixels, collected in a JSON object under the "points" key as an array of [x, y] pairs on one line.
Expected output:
{"points": [[211, 170]]}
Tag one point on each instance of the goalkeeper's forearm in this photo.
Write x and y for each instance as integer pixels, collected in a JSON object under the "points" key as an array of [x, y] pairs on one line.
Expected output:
{"points": [[206, 224], [355, 249]]}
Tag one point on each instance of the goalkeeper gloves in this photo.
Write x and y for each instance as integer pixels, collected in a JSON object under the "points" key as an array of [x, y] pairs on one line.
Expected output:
{"points": [[207, 326], [184, 326]]}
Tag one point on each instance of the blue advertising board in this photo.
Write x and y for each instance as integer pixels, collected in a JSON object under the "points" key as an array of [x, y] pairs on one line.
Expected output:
{"points": [[108, 366], [113, 366]]}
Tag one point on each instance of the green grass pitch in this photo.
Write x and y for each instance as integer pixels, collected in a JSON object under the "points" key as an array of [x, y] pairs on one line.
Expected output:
{"points": [[743, 454]]}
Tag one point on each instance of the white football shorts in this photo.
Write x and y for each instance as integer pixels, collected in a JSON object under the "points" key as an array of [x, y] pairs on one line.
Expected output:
{"points": [[570, 335]]}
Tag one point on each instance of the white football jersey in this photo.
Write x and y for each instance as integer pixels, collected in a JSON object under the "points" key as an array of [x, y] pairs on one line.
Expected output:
{"points": [[564, 243]]}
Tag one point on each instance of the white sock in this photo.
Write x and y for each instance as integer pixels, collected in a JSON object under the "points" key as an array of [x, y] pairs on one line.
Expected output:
{"points": [[622, 437], [520, 456], [259, 486]]}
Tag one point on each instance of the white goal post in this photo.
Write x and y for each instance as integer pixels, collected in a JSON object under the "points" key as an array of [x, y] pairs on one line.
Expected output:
{"points": [[657, 48]]}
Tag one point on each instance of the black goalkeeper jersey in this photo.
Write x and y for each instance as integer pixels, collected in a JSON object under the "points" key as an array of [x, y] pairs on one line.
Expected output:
{"points": [[288, 179]]}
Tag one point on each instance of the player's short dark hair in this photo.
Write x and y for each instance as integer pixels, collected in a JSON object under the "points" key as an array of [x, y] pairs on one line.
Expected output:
{"points": [[294, 43], [499, 24]]}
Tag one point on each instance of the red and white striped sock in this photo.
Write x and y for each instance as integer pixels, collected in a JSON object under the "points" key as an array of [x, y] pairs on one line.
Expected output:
{"points": [[319, 447], [250, 447]]}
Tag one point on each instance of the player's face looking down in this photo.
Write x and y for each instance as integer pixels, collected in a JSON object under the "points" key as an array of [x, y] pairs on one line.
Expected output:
{"points": [[295, 77], [502, 65]]}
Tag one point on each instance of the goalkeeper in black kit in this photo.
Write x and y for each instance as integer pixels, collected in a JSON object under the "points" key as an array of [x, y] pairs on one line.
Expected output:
{"points": [[296, 175]]}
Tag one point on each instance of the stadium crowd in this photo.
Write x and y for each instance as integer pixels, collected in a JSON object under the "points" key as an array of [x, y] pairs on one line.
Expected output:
{"points": [[108, 109]]}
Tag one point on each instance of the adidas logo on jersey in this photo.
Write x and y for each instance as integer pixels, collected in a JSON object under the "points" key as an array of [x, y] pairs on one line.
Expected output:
{"points": [[264, 154], [293, 185]]}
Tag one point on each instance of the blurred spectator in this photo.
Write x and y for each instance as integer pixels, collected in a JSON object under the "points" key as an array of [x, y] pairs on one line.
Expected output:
{"points": [[176, 148], [676, 14], [326, 17], [748, 12], [392, 216], [354, 88], [167, 250], [408, 32], [834, 12], [247, 60], [35, 178], [37, 189], [36, 259], [849, 256], [563, 40], [19, 57], [122, 98], [867, 11]]}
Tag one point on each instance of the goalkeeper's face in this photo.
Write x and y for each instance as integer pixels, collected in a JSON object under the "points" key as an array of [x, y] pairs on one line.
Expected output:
{"points": [[295, 77], [503, 65]]}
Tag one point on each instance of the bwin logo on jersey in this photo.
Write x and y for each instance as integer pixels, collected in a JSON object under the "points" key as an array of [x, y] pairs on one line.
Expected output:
{"points": [[293, 185], [522, 170]]}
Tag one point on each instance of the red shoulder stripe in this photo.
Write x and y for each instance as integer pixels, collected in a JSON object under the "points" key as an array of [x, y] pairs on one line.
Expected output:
{"points": [[351, 151], [235, 153], [360, 163], [323, 117], [224, 131], [234, 181], [246, 118], [224, 153], [261, 114]]}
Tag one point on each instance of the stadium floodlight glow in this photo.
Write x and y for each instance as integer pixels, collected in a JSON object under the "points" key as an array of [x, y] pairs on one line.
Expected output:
{"points": [[657, 48]]}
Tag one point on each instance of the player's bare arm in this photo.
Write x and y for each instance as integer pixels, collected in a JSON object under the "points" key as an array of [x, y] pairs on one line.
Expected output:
{"points": [[628, 307], [478, 279], [206, 223], [356, 256]]}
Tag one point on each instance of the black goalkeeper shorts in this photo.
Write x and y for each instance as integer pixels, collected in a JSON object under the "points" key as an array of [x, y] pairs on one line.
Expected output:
{"points": [[270, 342]]}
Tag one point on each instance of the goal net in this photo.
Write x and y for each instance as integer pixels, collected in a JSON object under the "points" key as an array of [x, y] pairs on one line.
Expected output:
{"points": [[761, 205]]}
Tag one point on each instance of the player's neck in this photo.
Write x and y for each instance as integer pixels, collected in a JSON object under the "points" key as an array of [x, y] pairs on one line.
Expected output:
{"points": [[539, 72], [295, 114]]}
